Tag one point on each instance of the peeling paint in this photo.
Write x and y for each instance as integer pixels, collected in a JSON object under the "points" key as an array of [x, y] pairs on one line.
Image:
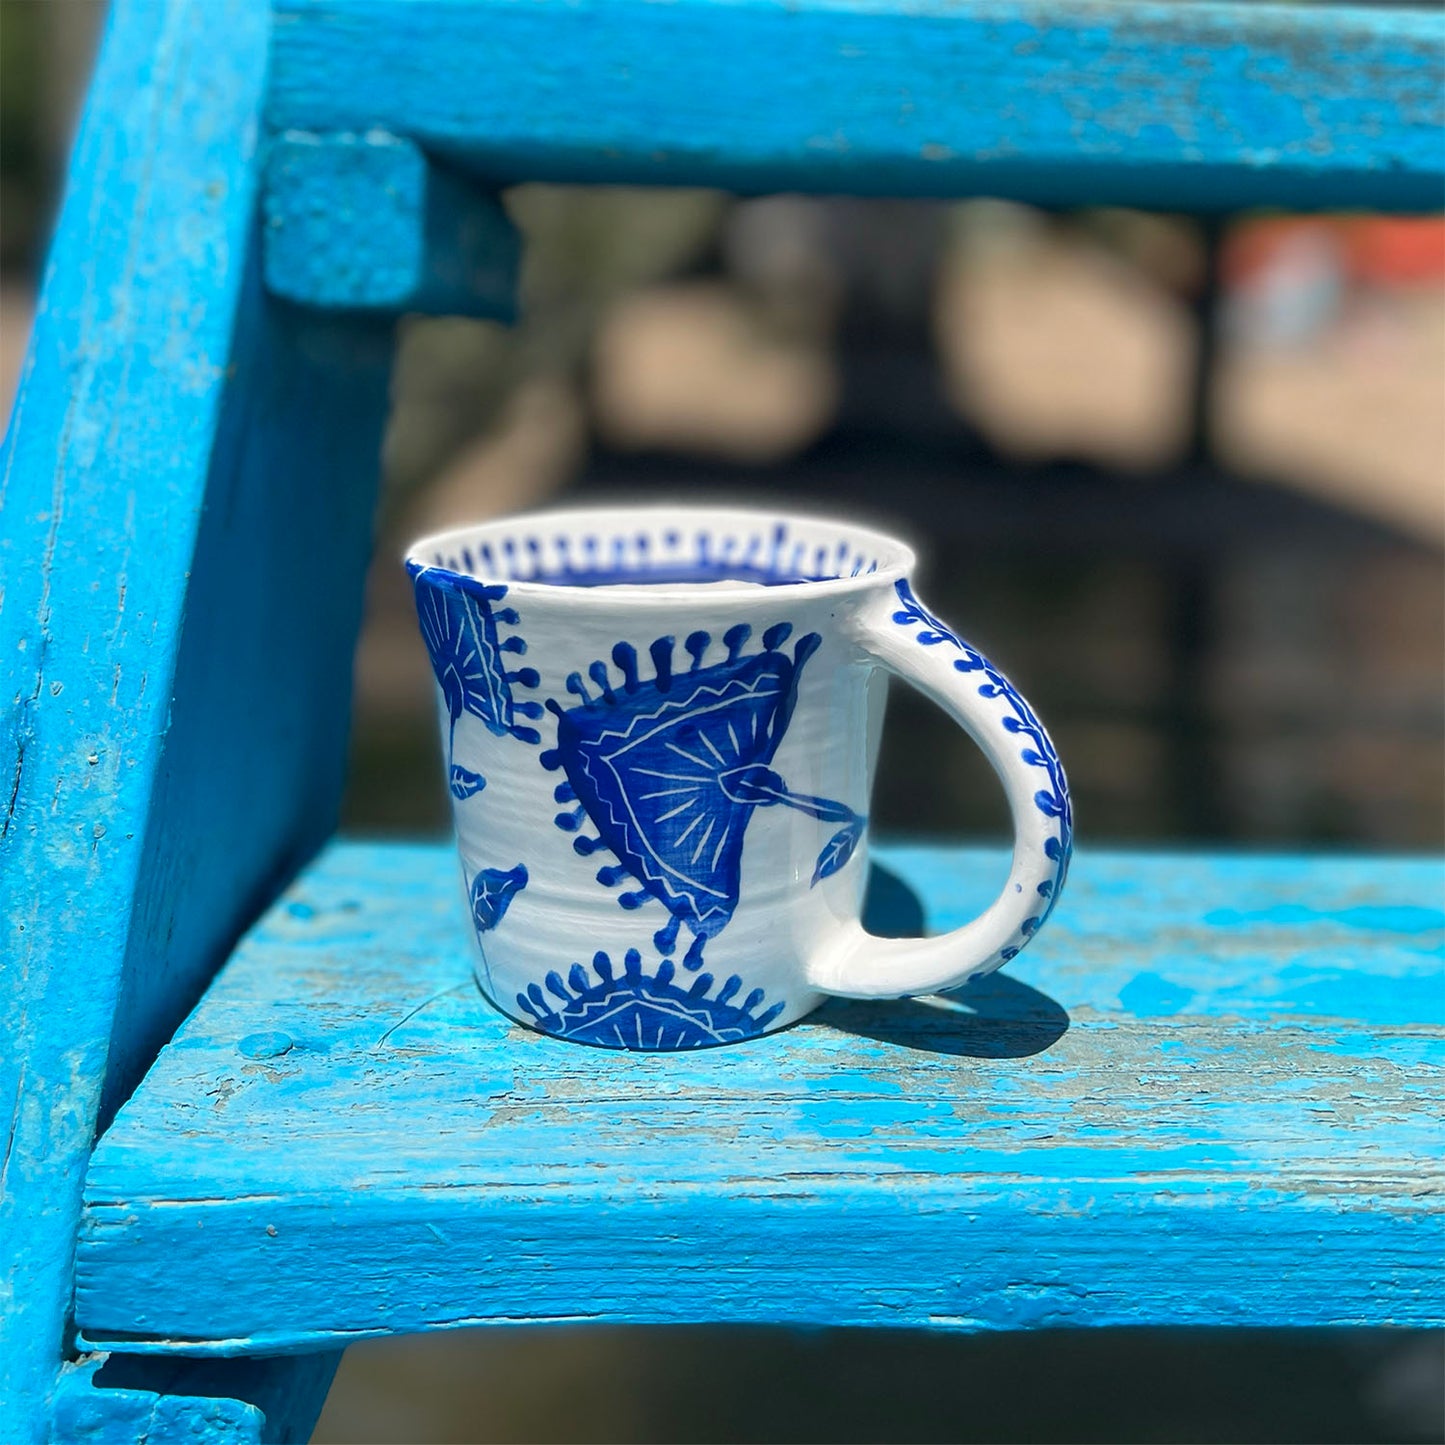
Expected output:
{"points": [[1206, 106], [1207, 1113]]}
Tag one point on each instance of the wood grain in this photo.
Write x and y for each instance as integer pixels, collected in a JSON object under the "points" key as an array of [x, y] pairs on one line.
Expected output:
{"points": [[102, 486], [1208, 1096], [187, 486], [1197, 106]]}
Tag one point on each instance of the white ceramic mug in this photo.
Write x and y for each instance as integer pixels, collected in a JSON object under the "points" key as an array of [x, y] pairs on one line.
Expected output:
{"points": [[660, 726]]}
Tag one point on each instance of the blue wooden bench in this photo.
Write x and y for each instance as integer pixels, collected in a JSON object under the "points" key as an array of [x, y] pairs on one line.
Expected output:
{"points": [[254, 1111]]}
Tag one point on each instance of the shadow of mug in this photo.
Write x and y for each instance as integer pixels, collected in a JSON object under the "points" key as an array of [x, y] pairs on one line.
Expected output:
{"points": [[993, 1017]]}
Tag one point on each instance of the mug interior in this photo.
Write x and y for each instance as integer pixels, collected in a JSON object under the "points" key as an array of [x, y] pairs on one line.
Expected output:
{"points": [[651, 547]]}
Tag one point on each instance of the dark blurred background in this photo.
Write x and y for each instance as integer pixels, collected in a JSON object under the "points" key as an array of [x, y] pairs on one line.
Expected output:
{"points": [[1185, 480]]}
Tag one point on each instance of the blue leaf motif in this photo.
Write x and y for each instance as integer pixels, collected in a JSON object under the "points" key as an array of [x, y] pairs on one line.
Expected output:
{"points": [[492, 894], [837, 851], [1048, 804], [464, 782]]}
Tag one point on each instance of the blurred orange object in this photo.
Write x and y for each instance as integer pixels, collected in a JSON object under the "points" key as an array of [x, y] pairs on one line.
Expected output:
{"points": [[1395, 250], [1373, 250]]}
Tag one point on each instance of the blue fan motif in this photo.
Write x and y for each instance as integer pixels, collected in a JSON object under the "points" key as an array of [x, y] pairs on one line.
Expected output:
{"points": [[669, 770], [492, 892], [459, 624], [629, 1010]]}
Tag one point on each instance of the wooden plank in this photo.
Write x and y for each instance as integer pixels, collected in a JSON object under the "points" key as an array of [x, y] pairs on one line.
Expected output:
{"points": [[122, 380], [187, 486], [367, 222], [1203, 106], [1208, 1095]]}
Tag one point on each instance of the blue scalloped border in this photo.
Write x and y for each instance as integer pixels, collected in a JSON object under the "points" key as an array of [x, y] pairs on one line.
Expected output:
{"points": [[769, 554]]}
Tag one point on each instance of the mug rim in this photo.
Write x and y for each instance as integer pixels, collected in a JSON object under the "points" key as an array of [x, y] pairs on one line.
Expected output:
{"points": [[895, 558]]}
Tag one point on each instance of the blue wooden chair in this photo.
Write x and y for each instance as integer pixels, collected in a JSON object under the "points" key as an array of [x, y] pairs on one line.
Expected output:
{"points": [[250, 1117]]}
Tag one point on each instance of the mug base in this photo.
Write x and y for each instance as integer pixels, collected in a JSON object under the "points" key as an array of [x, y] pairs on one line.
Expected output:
{"points": [[630, 1011]]}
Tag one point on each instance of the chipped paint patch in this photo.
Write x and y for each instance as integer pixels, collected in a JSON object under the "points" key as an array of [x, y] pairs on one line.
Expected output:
{"points": [[1146, 995], [1231, 1105]]}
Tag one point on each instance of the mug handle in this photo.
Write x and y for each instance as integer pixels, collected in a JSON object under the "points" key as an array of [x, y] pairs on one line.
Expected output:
{"points": [[901, 634]]}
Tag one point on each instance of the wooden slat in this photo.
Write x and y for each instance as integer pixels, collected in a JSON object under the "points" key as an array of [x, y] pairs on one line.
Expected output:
{"points": [[1207, 1095], [369, 223], [1189, 105], [101, 481]]}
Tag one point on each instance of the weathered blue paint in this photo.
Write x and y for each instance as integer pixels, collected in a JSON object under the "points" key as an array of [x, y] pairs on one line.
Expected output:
{"points": [[102, 481], [1267, 1154], [170, 1400], [367, 222], [1400, 919], [189, 467], [1146, 995], [87, 1414], [1199, 105]]}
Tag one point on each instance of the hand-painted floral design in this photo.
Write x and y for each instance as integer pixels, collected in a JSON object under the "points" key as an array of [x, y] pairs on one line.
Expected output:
{"points": [[1038, 749], [670, 768], [630, 1010], [459, 624]]}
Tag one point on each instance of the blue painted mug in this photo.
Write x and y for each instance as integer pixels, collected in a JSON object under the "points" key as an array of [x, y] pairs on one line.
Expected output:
{"points": [[660, 728]]}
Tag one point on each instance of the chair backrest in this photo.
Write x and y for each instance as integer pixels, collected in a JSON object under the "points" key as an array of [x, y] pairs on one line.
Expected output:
{"points": [[1194, 106]]}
